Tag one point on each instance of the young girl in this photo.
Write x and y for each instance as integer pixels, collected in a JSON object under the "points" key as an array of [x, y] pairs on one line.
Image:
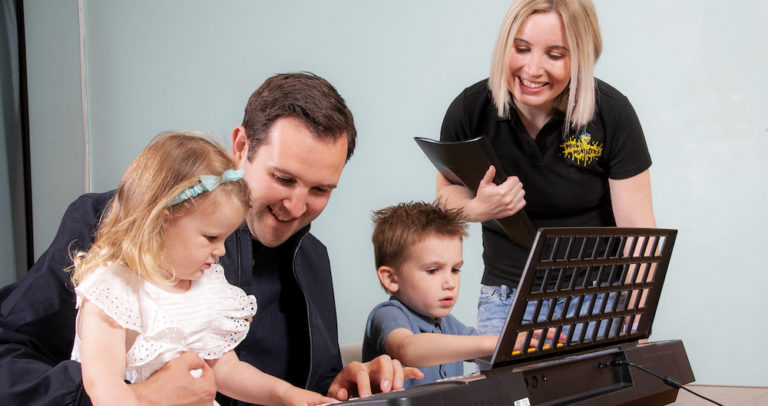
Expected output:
{"points": [[150, 289]]}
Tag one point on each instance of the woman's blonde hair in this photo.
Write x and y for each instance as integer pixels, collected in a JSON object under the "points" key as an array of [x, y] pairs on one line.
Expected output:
{"points": [[584, 43], [132, 228]]}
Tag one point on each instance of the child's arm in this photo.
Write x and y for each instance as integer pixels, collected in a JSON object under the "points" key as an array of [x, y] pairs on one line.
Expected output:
{"points": [[427, 349], [103, 357], [244, 382]]}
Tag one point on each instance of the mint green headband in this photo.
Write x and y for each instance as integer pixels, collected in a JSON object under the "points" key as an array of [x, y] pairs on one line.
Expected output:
{"points": [[208, 183]]}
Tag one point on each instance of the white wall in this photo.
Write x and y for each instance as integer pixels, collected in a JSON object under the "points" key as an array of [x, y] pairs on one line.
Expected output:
{"points": [[693, 70]]}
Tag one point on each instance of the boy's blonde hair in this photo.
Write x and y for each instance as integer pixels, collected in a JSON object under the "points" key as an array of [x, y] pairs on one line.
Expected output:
{"points": [[397, 228], [584, 43], [132, 228]]}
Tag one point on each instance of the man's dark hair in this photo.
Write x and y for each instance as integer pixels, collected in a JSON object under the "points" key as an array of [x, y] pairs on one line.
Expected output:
{"points": [[304, 96]]}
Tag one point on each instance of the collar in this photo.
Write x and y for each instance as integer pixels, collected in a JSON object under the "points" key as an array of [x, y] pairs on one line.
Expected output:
{"points": [[292, 241], [425, 324], [553, 126]]}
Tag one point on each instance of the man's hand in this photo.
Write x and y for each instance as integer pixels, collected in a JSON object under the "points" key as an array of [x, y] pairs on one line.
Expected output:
{"points": [[174, 385], [386, 374]]}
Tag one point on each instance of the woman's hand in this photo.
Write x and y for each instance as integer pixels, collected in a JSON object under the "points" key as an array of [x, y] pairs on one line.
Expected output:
{"points": [[492, 201]]}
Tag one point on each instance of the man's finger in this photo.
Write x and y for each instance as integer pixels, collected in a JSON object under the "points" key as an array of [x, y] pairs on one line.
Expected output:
{"points": [[363, 382], [192, 360], [398, 375], [341, 394], [385, 370]]}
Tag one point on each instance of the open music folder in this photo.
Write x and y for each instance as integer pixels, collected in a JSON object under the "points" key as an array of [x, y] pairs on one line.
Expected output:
{"points": [[587, 298]]}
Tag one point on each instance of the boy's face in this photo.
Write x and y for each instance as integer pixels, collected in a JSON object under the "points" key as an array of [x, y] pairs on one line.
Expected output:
{"points": [[428, 279]]}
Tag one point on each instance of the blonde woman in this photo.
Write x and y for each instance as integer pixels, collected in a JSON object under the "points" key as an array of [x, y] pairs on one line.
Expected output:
{"points": [[572, 143]]}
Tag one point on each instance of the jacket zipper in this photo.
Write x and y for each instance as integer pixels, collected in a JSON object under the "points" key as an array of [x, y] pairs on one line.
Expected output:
{"points": [[306, 303], [238, 249]]}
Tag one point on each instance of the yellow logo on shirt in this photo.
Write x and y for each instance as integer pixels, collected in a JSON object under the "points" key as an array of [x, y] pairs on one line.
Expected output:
{"points": [[582, 150]]}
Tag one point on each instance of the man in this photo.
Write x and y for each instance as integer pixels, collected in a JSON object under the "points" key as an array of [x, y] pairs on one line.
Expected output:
{"points": [[296, 137]]}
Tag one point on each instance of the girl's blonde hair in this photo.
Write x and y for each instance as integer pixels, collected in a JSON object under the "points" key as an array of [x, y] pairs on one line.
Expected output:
{"points": [[584, 43], [132, 228]]}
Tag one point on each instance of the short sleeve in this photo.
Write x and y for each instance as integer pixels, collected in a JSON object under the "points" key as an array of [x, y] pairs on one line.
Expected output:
{"points": [[114, 289], [384, 321], [454, 126], [457, 327], [469, 114], [223, 317], [628, 153]]}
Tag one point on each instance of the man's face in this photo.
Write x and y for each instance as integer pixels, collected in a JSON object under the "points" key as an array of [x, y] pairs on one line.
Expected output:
{"points": [[290, 177]]}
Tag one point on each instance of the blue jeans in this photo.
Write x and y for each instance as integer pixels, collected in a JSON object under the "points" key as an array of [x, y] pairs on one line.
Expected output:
{"points": [[492, 308], [495, 301]]}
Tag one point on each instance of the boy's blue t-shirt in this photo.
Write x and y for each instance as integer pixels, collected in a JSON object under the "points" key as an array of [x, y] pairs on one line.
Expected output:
{"points": [[393, 314]]}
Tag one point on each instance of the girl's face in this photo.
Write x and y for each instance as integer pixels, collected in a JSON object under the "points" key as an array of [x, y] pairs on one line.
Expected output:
{"points": [[540, 63], [195, 240]]}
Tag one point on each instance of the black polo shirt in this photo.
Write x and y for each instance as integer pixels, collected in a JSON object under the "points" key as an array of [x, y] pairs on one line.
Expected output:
{"points": [[565, 177]]}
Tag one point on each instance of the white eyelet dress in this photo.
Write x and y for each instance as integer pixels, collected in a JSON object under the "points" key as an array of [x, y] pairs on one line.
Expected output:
{"points": [[211, 318]]}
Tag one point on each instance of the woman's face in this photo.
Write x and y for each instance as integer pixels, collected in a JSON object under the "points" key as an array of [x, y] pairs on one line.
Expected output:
{"points": [[540, 63]]}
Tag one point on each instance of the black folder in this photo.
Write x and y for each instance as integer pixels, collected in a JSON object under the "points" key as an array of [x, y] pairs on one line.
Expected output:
{"points": [[465, 163]]}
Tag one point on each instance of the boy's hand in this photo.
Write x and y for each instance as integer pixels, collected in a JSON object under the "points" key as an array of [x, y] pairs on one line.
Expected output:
{"points": [[386, 374], [536, 337]]}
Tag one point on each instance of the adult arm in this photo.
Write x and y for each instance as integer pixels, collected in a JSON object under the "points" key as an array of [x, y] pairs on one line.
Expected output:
{"points": [[629, 178], [428, 349], [631, 201], [37, 319], [491, 201], [465, 118]]}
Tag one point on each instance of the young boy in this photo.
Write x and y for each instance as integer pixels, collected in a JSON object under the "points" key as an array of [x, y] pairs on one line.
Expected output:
{"points": [[417, 248]]}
